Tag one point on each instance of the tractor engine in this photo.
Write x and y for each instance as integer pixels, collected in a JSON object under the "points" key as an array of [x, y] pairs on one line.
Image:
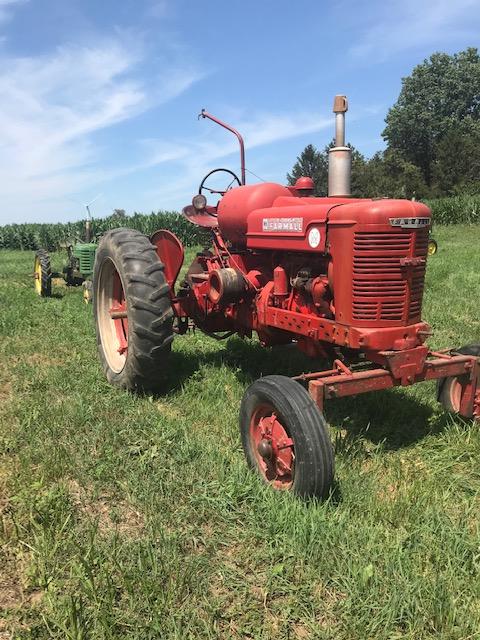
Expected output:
{"points": [[358, 265]]}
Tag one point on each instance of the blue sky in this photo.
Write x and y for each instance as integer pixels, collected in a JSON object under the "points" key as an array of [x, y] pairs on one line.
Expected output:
{"points": [[101, 97]]}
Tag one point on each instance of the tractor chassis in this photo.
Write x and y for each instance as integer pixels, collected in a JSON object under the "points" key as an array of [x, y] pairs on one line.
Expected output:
{"points": [[402, 368]]}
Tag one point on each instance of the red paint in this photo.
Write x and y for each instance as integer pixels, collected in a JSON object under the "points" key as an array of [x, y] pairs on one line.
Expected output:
{"points": [[205, 114], [280, 282], [304, 183], [330, 274], [360, 294], [266, 427], [237, 204], [170, 251], [206, 218], [119, 307], [341, 381]]}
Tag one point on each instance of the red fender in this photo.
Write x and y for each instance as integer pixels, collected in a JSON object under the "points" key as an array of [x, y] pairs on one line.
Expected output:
{"points": [[171, 253]]}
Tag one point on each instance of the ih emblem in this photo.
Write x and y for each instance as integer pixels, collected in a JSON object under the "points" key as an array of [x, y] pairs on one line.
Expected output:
{"points": [[410, 223]]}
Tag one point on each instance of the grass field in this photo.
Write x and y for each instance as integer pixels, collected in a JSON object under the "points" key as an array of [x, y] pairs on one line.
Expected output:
{"points": [[136, 517]]}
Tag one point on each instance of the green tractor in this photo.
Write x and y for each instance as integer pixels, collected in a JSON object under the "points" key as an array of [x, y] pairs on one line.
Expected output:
{"points": [[77, 270]]}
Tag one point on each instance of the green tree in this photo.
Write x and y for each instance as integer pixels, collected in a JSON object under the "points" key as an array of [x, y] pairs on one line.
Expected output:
{"points": [[438, 96], [456, 168], [388, 174], [313, 164], [359, 165]]}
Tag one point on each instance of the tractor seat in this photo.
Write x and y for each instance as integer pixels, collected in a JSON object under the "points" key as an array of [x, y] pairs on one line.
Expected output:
{"points": [[204, 218]]}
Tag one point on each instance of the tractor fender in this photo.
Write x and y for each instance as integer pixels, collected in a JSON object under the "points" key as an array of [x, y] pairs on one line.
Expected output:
{"points": [[171, 253]]}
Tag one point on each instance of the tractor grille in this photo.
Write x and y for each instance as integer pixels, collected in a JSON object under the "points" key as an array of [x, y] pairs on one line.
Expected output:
{"points": [[86, 257], [383, 290]]}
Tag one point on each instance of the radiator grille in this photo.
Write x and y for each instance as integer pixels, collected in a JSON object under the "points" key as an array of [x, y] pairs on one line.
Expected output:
{"points": [[383, 290], [86, 257]]}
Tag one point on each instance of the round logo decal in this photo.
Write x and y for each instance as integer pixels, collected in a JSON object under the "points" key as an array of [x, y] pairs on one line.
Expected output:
{"points": [[314, 237]]}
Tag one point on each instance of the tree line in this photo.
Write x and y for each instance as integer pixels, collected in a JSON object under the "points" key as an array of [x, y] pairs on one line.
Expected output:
{"points": [[432, 134]]}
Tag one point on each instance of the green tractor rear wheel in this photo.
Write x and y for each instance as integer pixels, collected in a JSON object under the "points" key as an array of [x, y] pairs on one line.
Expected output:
{"points": [[42, 273], [432, 246]]}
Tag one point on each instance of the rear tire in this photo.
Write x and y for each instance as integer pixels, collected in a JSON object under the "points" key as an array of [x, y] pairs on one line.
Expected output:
{"points": [[133, 312], [43, 274], [285, 437]]}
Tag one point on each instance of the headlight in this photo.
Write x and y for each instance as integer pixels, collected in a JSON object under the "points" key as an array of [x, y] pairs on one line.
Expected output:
{"points": [[199, 202]]}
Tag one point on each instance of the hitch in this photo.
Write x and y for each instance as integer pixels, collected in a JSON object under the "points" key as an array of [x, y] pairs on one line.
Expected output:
{"points": [[342, 381]]}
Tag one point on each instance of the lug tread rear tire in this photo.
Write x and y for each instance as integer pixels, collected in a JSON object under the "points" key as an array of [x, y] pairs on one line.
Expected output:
{"points": [[314, 458], [46, 275], [143, 279]]}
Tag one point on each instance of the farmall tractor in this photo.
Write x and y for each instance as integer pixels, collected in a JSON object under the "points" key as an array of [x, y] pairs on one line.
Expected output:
{"points": [[340, 277]]}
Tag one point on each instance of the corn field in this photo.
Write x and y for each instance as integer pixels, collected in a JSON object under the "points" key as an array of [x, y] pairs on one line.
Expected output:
{"points": [[453, 210], [52, 236]]}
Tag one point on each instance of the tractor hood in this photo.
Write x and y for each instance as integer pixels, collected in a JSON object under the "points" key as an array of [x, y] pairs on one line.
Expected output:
{"points": [[268, 216]]}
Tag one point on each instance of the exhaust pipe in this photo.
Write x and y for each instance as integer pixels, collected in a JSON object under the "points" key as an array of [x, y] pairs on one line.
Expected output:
{"points": [[339, 156]]}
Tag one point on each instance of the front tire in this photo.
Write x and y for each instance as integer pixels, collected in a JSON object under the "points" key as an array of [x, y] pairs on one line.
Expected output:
{"points": [[132, 309], [285, 437]]}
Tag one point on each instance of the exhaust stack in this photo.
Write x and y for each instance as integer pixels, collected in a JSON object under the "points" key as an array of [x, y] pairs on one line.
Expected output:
{"points": [[339, 156]]}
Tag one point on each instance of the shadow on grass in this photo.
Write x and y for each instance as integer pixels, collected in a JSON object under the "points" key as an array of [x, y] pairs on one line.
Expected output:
{"points": [[392, 418], [248, 360]]}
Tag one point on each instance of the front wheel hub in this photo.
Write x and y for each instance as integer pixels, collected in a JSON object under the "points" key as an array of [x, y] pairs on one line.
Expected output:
{"points": [[273, 446], [265, 449]]}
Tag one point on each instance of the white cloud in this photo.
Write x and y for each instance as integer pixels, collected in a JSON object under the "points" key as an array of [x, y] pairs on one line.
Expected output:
{"points": [[194, 158], [261, 129], [51, 107], [399, 26]]}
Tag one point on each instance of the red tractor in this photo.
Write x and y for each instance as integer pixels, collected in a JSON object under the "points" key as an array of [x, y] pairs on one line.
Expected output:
{"points": [[340, 277]]}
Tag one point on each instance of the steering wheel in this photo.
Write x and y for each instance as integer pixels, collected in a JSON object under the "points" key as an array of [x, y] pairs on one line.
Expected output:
{"points": [[229, 186]]}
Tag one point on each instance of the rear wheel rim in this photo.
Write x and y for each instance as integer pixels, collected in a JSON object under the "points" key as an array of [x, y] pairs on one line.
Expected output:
{"points": [[38, 276], [476, 405], [112, 316], [455, 393], [272, 446]]}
